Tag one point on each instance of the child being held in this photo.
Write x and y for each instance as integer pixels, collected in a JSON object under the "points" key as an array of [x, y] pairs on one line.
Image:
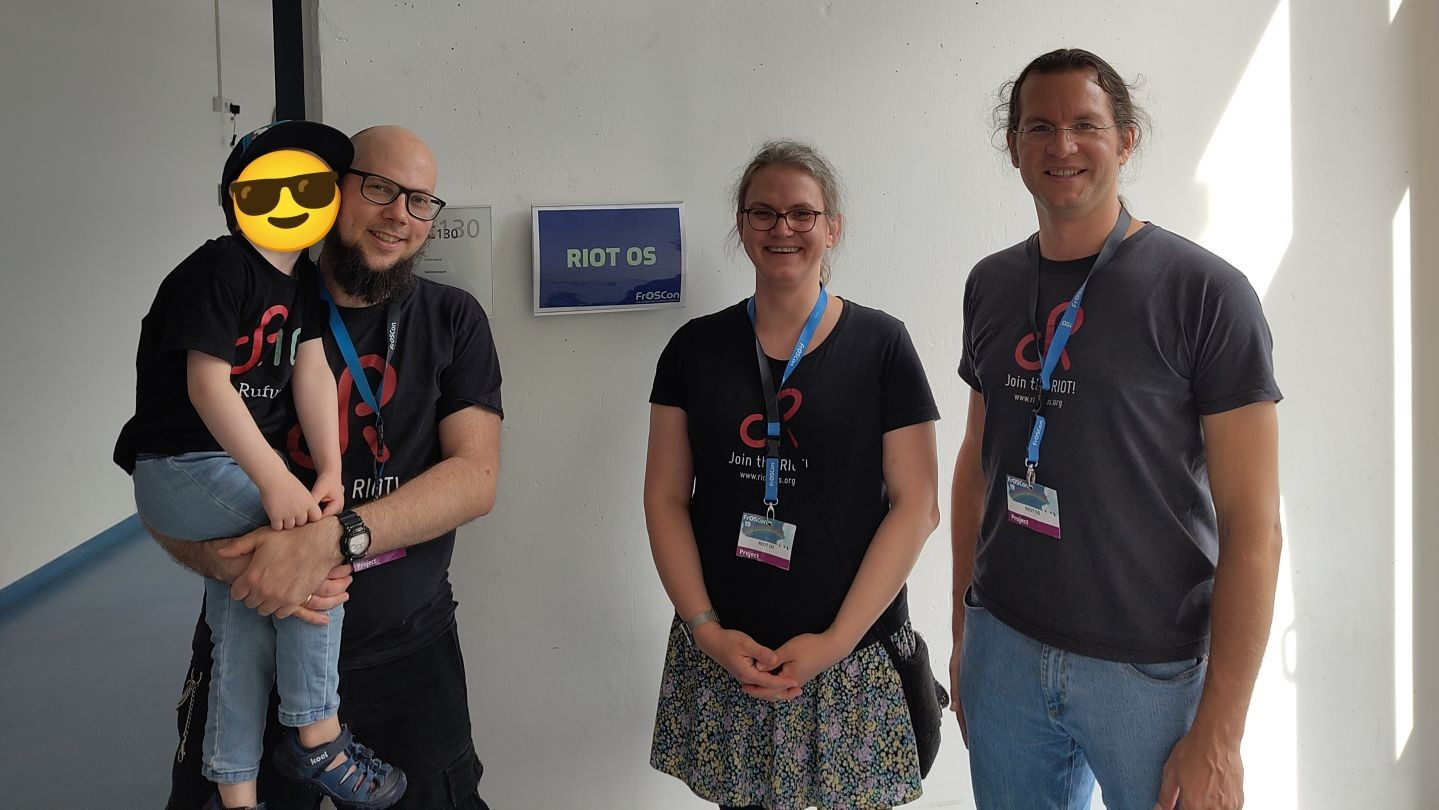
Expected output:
{"points": [[229, 346]]}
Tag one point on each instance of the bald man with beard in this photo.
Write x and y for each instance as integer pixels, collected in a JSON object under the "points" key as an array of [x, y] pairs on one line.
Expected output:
{"points": [[417, 467]]}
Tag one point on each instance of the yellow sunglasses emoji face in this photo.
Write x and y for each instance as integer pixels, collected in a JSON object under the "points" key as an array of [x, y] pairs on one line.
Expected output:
{"points": [[286, 200]]}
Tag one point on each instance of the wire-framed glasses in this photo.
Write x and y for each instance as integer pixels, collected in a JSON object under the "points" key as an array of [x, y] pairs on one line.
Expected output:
{"points": [[1044, 133]]}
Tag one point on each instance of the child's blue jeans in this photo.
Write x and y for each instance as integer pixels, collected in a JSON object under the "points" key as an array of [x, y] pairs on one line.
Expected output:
{"points": [[202, 496]]}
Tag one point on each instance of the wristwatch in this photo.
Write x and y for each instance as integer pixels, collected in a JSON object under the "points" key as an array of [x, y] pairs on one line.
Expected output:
{"points": [[694, 622], [355, 542]]}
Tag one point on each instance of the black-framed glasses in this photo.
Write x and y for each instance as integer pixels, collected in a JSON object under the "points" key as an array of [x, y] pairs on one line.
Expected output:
{"points": [[799, 220], [261, 195], [1044, 133], [381, 190]]}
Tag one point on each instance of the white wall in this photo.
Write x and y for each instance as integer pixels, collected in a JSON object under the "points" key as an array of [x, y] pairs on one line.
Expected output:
{"points": [[1288, 133], [1282, 140], [1418, 121], [111, 161]]}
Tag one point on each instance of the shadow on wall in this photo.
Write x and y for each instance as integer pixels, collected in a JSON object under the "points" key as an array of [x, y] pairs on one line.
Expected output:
{"points": [[1349, 644], [1245, 171], [1338, 689]]}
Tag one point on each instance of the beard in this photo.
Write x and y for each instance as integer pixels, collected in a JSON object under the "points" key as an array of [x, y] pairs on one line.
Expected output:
{"points": [[347, 267]]}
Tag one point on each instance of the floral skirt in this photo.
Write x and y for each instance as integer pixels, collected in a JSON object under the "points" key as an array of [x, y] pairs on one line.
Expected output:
{"points": [[845, 742]]}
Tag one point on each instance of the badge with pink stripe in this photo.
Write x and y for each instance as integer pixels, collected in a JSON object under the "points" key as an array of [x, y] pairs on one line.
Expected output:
{"points": [[1033, 506]]}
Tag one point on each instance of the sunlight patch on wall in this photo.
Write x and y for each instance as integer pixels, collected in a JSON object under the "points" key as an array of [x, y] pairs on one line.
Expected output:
{"points": [[1247, 165], [1403, 485], [1271, 737]]}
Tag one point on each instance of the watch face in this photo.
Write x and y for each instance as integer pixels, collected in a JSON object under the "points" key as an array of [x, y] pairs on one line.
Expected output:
{"points": [[359, 543]]}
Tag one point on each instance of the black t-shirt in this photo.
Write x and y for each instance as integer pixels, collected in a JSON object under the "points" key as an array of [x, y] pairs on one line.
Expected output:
{"points": [[444, 361], [1167, 333], [864, 380], [227, 301]]}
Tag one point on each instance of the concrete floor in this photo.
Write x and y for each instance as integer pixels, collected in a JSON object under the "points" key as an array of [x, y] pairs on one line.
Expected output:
{"points": [[90, 671]]}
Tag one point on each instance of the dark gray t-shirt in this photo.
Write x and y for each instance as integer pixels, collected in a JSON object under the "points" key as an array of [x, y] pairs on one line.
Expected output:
{"points": [[1168, 332]]}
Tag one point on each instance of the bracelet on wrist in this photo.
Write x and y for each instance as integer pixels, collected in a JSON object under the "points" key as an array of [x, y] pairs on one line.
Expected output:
{"points": [[698, 620], [694, 622]]}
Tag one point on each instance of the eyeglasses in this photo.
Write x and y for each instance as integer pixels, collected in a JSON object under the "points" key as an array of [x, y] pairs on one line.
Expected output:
{"points": [[1044, 133], [382, 190], [261, 195], [799, 220]]}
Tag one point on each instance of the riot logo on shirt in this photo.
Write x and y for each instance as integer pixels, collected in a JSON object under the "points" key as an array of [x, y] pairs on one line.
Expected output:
{"points": [[747, 426], [1028, 386], [752, 434], [353, 406], [1021, 349]]}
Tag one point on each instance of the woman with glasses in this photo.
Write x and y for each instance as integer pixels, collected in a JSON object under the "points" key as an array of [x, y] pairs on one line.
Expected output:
{"points": [[789, 488]]}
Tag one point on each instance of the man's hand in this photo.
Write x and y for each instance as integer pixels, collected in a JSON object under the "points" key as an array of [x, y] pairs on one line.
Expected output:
{"points": [[750, 662], [954, 704], [285, 567], [807, 655], [1204, 772], [335, 590]]}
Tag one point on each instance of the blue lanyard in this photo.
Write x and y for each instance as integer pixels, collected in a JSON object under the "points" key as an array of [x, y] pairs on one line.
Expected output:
{"points": [[771, 395], [357, 372], [1062, 332]]}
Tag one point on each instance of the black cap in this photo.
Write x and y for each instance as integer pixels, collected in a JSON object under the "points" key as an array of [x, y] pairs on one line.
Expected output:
{"points": [[330, 144]]}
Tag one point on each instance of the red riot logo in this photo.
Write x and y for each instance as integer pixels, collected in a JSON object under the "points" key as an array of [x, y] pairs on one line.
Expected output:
{"points": [[757, 442], [352, 404], [1020, 350]]}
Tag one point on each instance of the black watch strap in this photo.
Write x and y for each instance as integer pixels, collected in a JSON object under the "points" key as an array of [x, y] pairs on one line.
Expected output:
{"points": [[352, 526]]}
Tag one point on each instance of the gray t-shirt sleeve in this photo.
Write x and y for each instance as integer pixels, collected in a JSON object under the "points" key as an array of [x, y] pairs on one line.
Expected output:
{"points": [[1234, 352]]}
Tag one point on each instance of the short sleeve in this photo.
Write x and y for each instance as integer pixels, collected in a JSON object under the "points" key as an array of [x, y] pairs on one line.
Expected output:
{"points": [[968, 367], [1234, 351], [205, 307], [906, 398], [473, 375], [669, 385]]}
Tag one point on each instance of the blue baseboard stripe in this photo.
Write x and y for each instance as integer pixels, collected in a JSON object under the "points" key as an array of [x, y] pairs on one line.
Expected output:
{"points": [[36, 581]]}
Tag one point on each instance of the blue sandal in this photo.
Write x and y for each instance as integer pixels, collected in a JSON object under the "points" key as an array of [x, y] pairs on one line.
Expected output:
{"points": [[362, 781]]}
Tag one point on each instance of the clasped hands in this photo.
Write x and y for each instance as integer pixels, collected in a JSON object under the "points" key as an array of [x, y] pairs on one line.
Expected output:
{"points": [[764, 673], [293, 572]]}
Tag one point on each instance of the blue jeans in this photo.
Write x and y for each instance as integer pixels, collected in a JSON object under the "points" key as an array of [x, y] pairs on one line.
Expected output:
{"points": [[202, 496], [1045, 724]]}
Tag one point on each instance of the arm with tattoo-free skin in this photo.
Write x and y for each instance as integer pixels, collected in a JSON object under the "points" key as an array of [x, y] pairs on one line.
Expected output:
{"points": [[911, 477], [204, 559], [313, 389], [1204, 771], [287, 502], [669, 483], [966, 514], [287, 566]]}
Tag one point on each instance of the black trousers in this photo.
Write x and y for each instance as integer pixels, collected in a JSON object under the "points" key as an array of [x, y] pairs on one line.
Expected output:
{"points": [[413, 712]]}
